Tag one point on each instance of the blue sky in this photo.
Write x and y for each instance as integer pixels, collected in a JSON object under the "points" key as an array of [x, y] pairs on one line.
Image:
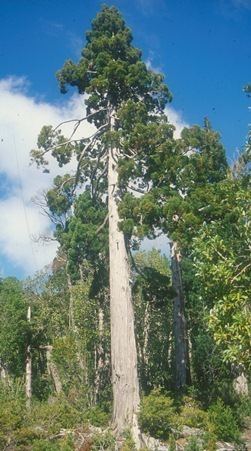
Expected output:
{"points": [[202, 46]]}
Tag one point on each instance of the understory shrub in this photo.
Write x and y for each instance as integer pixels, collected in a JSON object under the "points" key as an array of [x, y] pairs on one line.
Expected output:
{"points": [[104, 441], [191, 414], [96, 416], [193, 445], [222, 422], [157, 414], [56, 415]]}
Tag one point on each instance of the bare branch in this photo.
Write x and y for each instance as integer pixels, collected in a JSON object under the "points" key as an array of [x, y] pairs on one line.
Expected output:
{"points": [[58, 188], [100, 177], [103, 224], [138, 190], [79, 120], [88, 146], [239, 273], [43, 239]]}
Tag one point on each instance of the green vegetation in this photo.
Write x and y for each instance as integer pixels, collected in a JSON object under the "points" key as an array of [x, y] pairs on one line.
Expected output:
{"points": [[176, 331]]}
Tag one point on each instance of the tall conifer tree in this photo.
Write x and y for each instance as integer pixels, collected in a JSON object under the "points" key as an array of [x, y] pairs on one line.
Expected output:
{"points": [[121, 93]]}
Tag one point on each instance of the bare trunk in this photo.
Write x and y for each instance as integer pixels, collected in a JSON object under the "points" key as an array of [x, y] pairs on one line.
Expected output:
{"points": [[240, 382], [123, 345], [52, 370], [146, 335], [28, 368], [241, 385], [4, 376], [72, 325], [71, 301], [179, 321], [99, 353]]}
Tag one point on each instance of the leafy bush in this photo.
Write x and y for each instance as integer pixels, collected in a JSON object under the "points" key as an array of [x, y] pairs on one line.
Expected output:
{"points": [[52, 417], [104, 441], [12, 412], [157, 414], [128, 444], [242, 410], [96, 416], [222, 422], [209, 441], [193, 444], [191, 414], [172, 443], [46, 445]]}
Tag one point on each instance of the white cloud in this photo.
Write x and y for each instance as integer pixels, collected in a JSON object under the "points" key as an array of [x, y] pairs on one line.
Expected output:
{"points": [[21, 119], [19, 223], [175, 118]]}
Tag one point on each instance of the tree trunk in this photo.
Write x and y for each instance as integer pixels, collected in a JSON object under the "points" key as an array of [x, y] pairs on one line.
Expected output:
{"points": [[179, 321], [28, 368], [123, 345], [99, 354], [240, 382], [4, 376], [71, 300], [52, 370], [72, 326]]}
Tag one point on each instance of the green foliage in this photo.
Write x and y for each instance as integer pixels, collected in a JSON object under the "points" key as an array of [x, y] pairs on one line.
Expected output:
{"points": [[172, 443], [152, 300], [222, 422], [193, 444], [12, 412], [157, 414], [209, 440], [128, 444], [222, 264], [96, 416], [111, 65], [191, 414], [46, 445], [242, 410], [14, 329], [187, 195], [83, 238], [105, 441], [55, 415]]}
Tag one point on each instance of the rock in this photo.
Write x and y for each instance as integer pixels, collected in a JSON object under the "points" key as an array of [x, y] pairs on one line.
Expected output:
{"points": [[224, 446], [153, 444], [188, 432]]}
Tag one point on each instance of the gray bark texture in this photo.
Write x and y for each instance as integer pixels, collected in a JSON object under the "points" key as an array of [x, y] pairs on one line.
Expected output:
{"points": [[28, 368], [52, 370], [179, 321], [123, 345]]}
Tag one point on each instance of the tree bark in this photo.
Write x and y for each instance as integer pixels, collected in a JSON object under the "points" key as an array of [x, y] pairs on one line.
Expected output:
{"points": [[72, 326], [71, 300], [99, 354], [123, 345], [240, 382], [4, 376], [52, 370], [179, 321], [28, 368]]}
